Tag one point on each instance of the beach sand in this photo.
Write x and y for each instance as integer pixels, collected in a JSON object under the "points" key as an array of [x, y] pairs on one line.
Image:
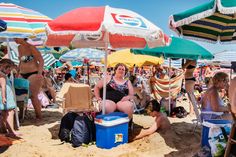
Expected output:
{"points": [[41, 140]]}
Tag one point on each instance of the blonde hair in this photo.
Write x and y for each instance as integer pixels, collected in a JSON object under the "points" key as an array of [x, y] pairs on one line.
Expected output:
{"points": [[218, 77]]}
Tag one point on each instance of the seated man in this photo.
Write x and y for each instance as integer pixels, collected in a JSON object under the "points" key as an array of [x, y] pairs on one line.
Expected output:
{"points": [[161, 121]]}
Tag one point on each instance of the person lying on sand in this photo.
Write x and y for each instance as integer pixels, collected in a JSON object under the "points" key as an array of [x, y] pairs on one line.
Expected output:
{"points": [[161, 121]]}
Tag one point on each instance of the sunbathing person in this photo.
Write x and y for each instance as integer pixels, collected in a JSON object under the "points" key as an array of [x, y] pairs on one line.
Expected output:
{"points": [[31, 68], [119, 92], [161, 121], [211, 100]]}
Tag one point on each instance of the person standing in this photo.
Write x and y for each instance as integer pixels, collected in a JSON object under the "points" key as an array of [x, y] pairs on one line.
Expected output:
{"points": [[190, 80], [31, 68]]}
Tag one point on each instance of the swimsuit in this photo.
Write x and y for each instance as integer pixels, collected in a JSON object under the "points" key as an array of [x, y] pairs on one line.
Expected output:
{"points": [[190, 67], [115, 92], [190, 79], [26, 75], [11, 103], [26, 59]]}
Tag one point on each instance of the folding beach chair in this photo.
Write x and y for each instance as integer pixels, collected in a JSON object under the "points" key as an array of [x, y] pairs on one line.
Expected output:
{"points": [[22, 95], [75, 97], [197, 110]]}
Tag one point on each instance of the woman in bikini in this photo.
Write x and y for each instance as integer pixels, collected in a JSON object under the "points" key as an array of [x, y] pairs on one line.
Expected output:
{"points": [[31, 68], [190, 80]]}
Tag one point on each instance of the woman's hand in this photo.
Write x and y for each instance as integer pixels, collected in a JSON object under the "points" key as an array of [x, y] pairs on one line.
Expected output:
{"points": [[126, 98], [4, 100]]}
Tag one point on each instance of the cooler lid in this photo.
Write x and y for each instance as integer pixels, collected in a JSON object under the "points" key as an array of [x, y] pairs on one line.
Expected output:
{"points": [[112, 116]]}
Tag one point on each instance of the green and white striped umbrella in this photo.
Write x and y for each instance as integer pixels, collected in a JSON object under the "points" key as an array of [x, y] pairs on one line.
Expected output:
{"points": [[213, 21]]}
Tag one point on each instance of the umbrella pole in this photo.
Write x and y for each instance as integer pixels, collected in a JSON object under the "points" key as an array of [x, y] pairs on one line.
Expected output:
{"points": [[169, 87], [105, 74]]}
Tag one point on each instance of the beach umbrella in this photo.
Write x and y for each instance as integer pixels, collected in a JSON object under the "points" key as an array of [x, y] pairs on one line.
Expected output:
{"points": [[3, 25], [102, 27], [179, 48], [213, 21], [22, 22], [80, 54], [129, 59]]}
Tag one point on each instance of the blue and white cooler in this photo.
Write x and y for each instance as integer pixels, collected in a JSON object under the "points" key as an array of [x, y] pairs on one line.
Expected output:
{"points": [[111, 129]]}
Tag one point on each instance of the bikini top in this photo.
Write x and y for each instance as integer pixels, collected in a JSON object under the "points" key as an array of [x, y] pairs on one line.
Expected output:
{"points": [[190, 66], [26, 58]]}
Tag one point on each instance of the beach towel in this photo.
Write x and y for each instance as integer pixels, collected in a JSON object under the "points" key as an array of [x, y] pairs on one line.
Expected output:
{"points": [[7, 141]]}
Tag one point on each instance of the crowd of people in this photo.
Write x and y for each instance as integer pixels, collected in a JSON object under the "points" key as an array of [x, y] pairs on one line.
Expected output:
{"points": [[126, 89]]}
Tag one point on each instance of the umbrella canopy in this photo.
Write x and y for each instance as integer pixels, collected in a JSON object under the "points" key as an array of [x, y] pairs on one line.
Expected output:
{"points": [[3, 25], [80, 54], [22, 22], [95, 26], [179, 48], [213, 21], [129, 59]]}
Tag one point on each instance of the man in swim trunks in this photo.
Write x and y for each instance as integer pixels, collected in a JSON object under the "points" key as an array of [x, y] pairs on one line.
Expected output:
{"points": [[31, 68]]}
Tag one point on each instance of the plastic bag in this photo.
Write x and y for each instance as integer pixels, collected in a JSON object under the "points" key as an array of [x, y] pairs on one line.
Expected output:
{"points": [[217, 138]]}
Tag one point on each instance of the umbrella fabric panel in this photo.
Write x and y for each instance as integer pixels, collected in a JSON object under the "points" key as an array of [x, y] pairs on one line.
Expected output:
{"points": [[179, 48], [22, 22], [213, 21], [124, 29], [3, 25], [80, 54]]}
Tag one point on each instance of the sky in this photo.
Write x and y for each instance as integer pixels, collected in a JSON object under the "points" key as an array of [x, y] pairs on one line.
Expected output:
{"points": [[157, 11]]}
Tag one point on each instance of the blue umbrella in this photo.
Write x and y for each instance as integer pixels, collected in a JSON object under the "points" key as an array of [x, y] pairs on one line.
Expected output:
{"points": [[3, 25], [80, 54]]}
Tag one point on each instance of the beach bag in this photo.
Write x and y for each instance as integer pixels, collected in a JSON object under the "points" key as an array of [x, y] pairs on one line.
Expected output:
{"points": [[218, 137], [179, 112], [83, 131], [67, 123]]}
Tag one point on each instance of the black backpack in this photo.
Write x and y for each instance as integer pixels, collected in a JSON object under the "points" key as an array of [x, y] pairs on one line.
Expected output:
{"points": [[67, 123], [179, 112], [83, 131]]}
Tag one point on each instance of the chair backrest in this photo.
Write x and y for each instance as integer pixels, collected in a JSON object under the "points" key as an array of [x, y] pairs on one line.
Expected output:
{"points": [[20, 83], [195, 105], [77, 97]]}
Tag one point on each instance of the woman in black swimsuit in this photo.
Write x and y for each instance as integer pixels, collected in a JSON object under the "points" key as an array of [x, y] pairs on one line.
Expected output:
{"points": [[189, 67], [31, 68], [119, 91]]}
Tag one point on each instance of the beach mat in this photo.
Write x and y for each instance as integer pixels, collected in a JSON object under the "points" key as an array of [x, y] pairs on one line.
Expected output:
{"points": [[7, 141]]}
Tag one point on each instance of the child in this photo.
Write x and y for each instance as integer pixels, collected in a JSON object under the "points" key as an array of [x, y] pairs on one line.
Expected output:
{"points": [[7, 101], [161, 121]]}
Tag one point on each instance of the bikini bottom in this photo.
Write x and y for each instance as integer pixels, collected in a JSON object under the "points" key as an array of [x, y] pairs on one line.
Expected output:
{"points": [[26, 75]]}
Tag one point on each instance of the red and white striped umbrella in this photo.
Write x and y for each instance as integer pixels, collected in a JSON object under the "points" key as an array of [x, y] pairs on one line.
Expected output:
{"points": [[96, 26]]}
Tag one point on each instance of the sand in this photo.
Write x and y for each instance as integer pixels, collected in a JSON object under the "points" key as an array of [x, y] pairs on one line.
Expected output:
{"points": [[41, 140]]}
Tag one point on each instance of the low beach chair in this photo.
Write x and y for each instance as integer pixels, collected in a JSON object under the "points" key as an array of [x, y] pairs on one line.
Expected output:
{"points": [[198, 112], [22, 95], [75, 97]]}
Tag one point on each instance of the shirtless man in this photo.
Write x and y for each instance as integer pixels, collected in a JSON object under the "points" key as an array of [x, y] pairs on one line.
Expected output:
{"points": [[161, 122], [31, 68], [232, 95]]}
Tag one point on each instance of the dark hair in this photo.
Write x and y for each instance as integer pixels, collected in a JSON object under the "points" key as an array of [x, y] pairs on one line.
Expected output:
{"points": [[6, 63], [67, 76], [120, 64], [132, 78], [156, 106]]}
